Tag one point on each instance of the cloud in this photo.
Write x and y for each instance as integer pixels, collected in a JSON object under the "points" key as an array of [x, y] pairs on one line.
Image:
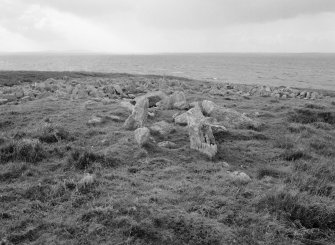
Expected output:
{"points": [[182, 14], [168, 26]]}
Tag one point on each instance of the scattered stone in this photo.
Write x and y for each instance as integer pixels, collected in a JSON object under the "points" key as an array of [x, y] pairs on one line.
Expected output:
{"points": [[167, 144], [87, 180], [201, 135], [96, 120], [142, 136], [118, 89], [240, 177], [139, 115], [180, 119], [208, 107], [178, 101]]}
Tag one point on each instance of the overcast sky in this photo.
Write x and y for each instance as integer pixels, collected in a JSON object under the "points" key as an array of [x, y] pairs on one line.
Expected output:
{"points": [[150, 26]]}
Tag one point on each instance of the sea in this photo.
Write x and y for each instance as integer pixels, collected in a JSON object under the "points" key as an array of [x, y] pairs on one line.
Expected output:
{"points": [[307, 70]]}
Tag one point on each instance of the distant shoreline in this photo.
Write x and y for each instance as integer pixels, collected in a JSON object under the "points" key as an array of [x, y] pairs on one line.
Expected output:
{"points": [[12, 78]]}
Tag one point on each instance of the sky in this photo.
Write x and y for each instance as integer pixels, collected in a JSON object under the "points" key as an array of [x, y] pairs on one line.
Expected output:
{"points": [[160, 26]]}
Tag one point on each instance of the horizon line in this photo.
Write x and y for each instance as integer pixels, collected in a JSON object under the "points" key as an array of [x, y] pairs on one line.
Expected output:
{"points": [[150, 53]]}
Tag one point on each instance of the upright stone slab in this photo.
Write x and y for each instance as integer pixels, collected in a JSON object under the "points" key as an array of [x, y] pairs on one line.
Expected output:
{"points": [[139, 115], [201, 135]]}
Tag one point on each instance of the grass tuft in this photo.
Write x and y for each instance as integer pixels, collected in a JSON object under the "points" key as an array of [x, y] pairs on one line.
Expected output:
{"points": [[83, 158], [28, 150], [53, 134], [306, 115]]}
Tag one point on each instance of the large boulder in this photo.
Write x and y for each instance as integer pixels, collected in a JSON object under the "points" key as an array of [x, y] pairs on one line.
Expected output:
{"points": [[142, 136], [200, 133], [139, 115]]}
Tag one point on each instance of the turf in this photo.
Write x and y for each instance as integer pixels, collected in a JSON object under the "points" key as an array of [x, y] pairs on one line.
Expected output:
{"points": [[80, 184]]}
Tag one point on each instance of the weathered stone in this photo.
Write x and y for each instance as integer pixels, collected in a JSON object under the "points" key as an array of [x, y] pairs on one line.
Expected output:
{"points": [[227, 117], [154, 97], [265, 91], [118, 89], [139, 115], [178, 101], [201, 135], [163, 128], [208, 107], [96, 120], [240, 177], [90, 105], [167, 144], [180, 119], [142, 136]]}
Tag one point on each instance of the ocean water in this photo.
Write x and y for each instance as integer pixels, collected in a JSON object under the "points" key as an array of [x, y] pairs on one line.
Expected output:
{"points": [[294, 70]]}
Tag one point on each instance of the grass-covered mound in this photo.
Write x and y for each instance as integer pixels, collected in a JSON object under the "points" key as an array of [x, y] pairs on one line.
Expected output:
{"points": [[63, 181]]}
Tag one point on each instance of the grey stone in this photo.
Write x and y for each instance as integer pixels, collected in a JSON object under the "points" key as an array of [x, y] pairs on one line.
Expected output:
{"points": [[200, 133], [139, 115], [142, 136]]}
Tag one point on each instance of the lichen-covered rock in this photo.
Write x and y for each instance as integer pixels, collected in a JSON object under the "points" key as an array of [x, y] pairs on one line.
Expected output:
{"points": [[142, 136], [200, 133], [139, 115]]}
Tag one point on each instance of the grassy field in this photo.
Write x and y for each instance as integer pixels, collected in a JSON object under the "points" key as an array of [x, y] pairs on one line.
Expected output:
{"points": [[65, 182]]}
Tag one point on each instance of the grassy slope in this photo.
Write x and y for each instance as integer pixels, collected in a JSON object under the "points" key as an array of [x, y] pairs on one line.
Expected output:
{"points": [[162, 196]]}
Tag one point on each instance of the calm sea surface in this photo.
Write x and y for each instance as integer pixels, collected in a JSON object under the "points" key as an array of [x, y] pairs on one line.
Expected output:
{"points": [[295, 70]]}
